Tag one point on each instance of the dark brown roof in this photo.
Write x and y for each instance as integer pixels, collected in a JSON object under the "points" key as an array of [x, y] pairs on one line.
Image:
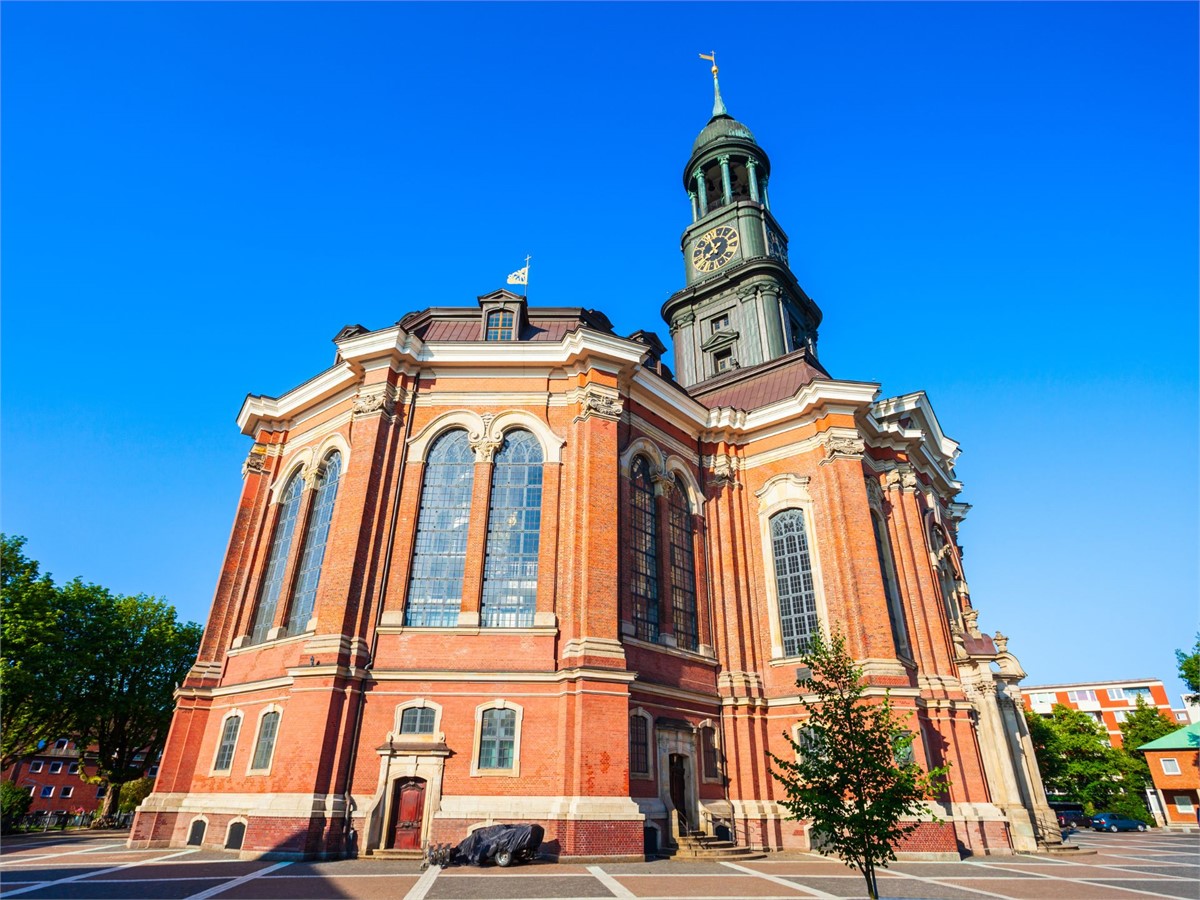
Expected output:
{"points": [[760, 385], [547, 323]]}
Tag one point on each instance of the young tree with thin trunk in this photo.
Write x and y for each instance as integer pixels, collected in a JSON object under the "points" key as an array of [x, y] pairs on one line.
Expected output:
{"points": [[854, 776]]}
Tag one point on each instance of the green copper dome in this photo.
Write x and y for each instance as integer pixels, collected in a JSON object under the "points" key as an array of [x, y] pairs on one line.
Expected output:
{"points": [[722, 127]]}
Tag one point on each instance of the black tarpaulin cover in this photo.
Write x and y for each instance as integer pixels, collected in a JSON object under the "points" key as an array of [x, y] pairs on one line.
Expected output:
{"points": [[481, 845]]}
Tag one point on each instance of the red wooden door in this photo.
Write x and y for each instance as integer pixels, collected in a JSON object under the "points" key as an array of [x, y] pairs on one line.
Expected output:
{"points": [[408, 812]]}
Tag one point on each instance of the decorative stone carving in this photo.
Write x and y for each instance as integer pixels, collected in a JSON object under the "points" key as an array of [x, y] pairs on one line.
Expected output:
{"points": [[971, 622], [839, 447], [959, 641], [874, 492], [725, 472], [901, 478], [664, 483], [256, 461], [1001, 642], [371, 401], [604, 406], [484, 445], [488, 418]]}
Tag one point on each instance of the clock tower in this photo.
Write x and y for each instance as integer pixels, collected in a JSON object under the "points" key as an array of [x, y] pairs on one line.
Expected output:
{"points": [[741, 305]]}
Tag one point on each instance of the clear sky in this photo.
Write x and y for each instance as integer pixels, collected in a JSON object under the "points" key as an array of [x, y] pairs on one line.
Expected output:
{"points": [[995, 203]]}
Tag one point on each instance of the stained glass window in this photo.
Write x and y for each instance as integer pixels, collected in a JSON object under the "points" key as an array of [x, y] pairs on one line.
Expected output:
{"points": [[793, 581], [514, 525], [417, 720], [265, 747], [500, 325], [281, 544], [440, 554], [229, 736], [497, 739], [643, 534], [895, 609], [315, 536], [683, 569], [639, 750]]}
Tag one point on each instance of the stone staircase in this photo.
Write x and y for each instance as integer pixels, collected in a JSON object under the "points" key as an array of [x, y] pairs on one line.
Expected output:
{"points": [[395, 854], [696, 845]]}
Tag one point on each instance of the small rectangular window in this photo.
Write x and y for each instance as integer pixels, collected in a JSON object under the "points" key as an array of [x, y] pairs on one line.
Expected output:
{"points": [[1183, 804], [66, 792], [709, 745], [499, 325], [1170, 766], [497, 739], [1044, 697], [639, 752], [30, 788], [35, 766], [73, 768], [48, 791], [1120, 714], [55, 768], [101, 791], [1077, 696], [417, 720], [723, 360], [61, 744], [719, 323], [1116, 693]]}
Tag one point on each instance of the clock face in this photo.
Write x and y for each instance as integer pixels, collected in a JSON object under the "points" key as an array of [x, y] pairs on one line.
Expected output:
{"points": [[715, 248], [775, 245]]}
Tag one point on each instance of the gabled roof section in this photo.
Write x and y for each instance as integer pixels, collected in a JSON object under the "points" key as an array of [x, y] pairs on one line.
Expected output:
{"points": [[761, 385], [543, 323], [1184, 739]]}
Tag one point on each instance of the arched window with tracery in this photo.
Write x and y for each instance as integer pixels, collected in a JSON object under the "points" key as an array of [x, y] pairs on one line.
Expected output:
{"points": [[643, 547], [316, 534], [794, 585], [510, 570], [277, 557], [683, 568], [440, 551]]}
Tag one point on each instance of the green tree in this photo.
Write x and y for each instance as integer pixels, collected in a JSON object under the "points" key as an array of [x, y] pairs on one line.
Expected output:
{"points": [[854, 776], [1077, 763], [1189, 669], [137, 653], [133, 793], [36, 669], [14, 803]]}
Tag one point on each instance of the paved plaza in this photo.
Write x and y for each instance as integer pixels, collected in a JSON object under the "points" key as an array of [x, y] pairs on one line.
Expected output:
{"points": [[98, 867]]}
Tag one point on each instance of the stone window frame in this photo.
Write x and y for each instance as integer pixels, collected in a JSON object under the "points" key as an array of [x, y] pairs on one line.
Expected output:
{"points": [[262, 714], [783, 492], [242, 820], [648, 773], [718, 774], [1173, 761], [434, 737], [1189, 809], [515, 771], [213, 771]]}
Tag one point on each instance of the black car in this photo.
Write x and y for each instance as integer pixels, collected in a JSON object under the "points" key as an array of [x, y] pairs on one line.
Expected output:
{"points": [[505, 844], [1107, 821]]}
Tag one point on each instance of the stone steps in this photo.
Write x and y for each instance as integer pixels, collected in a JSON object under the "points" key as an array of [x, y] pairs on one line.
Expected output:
{"points": [[703, 846], [396, 854]]}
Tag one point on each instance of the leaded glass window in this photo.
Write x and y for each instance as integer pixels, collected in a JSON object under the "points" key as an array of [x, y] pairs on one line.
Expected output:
{"points": [[315, 536], [267, 729], [793, 581], [683, 568], [500, 325], [440, 554], [281, 544], [229, 736], [639, 749], [417, 720], [643, 534], [510, 569], [708, 745], [895, 609], [497, 739]]}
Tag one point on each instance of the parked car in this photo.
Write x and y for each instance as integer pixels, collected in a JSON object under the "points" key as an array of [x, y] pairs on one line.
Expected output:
{"points": [[505, 844], [1115, 822], [1070, 814]]}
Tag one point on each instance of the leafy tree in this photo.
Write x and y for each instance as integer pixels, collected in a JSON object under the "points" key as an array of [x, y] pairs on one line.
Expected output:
{"points": [[854, 776], [14, 803], [133, 793], [1077, 763], [1144, 724], [37, 667], [1189, 669]]}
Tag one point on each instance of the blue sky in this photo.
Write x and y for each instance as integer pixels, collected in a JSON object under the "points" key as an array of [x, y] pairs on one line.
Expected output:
{"points": [[995, 203]]}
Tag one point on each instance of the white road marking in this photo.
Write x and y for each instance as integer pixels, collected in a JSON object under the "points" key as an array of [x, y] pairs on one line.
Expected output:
{"points": [[618, 889], [28, 859], [424, 883], [226, 885], [45, 884], [776, 879]]}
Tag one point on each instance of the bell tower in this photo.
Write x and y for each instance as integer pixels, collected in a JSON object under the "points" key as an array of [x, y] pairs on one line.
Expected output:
{"points": [[741, 305]]}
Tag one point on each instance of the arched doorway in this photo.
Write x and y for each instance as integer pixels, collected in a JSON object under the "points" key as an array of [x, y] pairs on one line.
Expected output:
{"points": [[679, 787], [408, 814]]}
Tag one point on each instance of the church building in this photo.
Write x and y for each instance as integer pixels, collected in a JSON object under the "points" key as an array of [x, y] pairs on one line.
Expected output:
{"points": [[499, 564]]}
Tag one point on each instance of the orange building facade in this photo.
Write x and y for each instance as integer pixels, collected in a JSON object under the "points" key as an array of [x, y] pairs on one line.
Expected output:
{"points": [[499, 564], [1108, 702], [1174, 762]]}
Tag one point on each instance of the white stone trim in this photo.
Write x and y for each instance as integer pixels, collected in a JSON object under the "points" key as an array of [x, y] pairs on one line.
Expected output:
{"points": [[490, 428], [235, 820], [676, 466], [493, 808], [515, 771], [212, 769], [188, 833], [269, 708], [299, 465], [644, 447], [783, 492], [434, 737]]}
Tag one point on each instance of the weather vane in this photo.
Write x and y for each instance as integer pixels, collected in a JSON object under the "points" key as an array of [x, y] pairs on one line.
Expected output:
{"points": [[712, 58]]}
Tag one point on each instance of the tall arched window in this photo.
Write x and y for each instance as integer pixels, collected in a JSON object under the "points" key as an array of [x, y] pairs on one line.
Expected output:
{"points": [[793, 580], [440, 554], [639, 745], [683, 569], [281, 544], [514, 524], [315, 536], [643, 533], [264, 748], [891, 589]]}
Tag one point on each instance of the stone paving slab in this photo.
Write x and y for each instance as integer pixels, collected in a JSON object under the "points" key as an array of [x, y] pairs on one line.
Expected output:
{"points": [[1047, 889], [1186, 889], [707, 886], [204, 869], [350, 867], [333, 887], [1178, 870], [904, 888], [116, 890], [527, 886]]}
